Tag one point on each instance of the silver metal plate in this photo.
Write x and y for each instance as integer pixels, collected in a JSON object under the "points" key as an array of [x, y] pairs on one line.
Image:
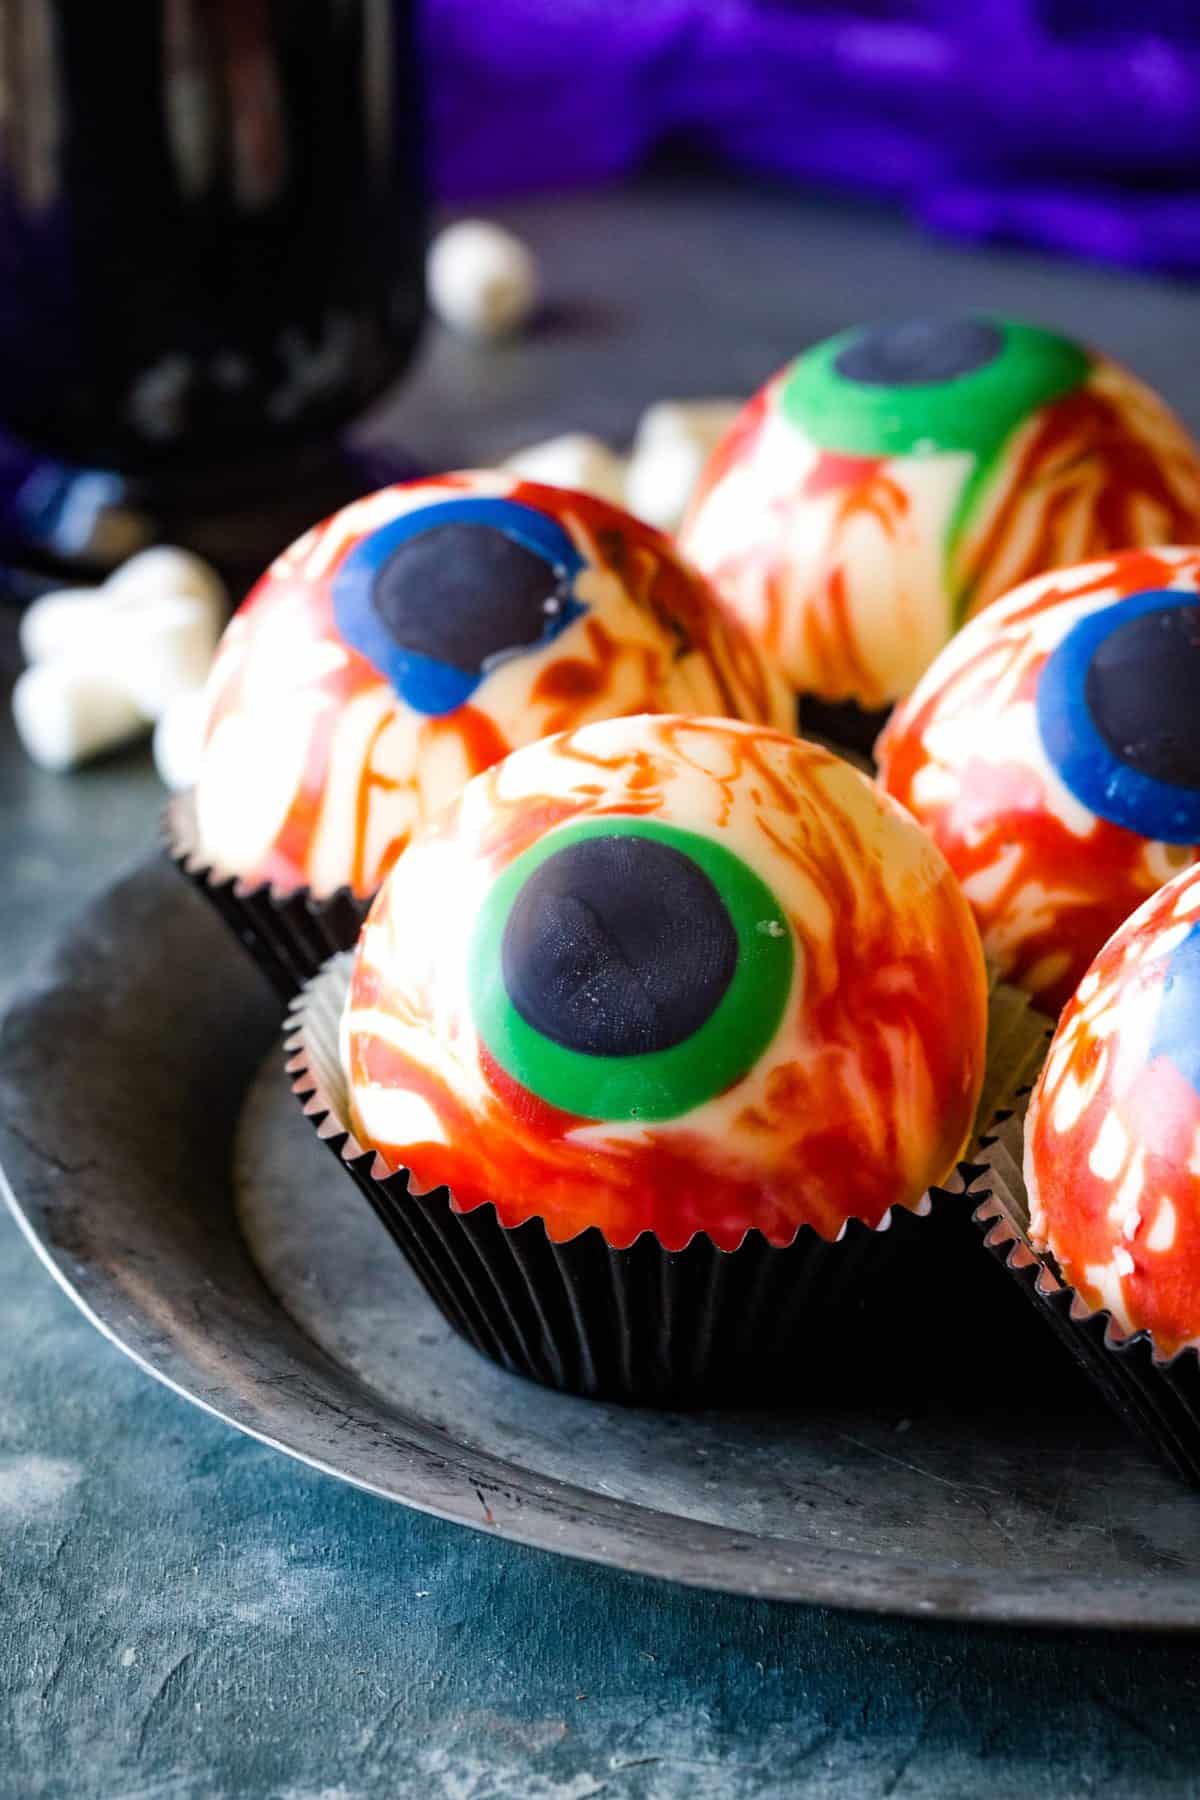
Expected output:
{"points": [[162, 1170]]}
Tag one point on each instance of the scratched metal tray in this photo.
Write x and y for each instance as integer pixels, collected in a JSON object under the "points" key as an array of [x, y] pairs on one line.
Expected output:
{"points": [[161, 1169]]}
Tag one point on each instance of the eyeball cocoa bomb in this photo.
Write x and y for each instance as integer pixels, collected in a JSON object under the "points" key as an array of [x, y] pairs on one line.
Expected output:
{"points": [[1053, 753], [1112, 1146], [893, 480], [670, 975], [419, 635]]}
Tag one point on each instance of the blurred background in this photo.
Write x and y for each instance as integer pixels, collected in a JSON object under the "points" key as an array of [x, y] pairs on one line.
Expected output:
{"points": [[213, 215], [1073, 124]]}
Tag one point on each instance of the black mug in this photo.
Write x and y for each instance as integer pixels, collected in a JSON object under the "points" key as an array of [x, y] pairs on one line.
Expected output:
{"points": [[211, 239]]}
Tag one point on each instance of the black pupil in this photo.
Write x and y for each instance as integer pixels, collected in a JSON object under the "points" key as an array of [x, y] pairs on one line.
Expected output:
{"points": [[618, 945], [918, 351], [1143, 691], [462, 594]]}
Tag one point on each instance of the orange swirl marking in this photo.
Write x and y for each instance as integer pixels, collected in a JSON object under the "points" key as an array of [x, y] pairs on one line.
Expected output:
{"points": [[1082, 450]]}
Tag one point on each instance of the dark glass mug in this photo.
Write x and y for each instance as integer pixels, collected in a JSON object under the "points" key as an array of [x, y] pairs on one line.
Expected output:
{"points": [[211, 254]]}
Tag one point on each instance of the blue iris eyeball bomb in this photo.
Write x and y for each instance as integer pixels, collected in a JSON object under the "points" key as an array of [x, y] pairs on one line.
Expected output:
{"points": [[1053, 753], [417, 637]]}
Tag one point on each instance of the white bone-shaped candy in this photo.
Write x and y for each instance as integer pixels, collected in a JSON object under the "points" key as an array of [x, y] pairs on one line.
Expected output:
{"points": [[705, 420], [121, 654], [66, 713], [574, 460], [55, 624], [179, 739], [482, 281], [165, 569], [70, 621], [166, 651], [673, 442]]}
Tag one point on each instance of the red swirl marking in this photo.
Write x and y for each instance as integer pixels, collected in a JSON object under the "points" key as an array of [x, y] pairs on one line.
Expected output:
{"points": [[1080, 481], [833, 473], [734, 447]]}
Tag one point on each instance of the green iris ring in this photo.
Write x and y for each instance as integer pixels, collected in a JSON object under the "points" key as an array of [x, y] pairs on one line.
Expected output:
{"points": [[658, 1084], [976, 412]]}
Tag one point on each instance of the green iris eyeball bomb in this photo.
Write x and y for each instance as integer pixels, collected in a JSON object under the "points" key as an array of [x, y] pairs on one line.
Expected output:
{"points": [[893, 480], [675, 975]]}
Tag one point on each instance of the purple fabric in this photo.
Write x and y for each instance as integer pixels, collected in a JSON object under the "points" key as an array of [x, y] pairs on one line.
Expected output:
{"points": [[990, 118]]}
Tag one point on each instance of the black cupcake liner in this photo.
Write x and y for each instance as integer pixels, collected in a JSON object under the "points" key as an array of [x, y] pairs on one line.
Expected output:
{"points": [[1157, 1397], [644, 1325], [843, 725], [289, 936], [965, 1299]]}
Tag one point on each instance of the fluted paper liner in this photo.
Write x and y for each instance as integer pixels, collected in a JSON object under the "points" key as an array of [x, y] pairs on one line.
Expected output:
{"points": [[1158, 1397], [640, 1324], [289, 935], [843, 725]]}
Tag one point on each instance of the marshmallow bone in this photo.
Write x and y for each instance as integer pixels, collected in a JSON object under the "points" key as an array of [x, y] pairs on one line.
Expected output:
{"points": [[65, 714], [108, 661], [673, 442], [574, 460], [482, 280]]}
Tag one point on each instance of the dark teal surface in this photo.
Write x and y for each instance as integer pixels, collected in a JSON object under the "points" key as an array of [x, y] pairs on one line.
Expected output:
{"points": [[188, 1614]]}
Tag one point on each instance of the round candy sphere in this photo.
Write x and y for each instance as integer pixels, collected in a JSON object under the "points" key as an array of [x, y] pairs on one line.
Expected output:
{"points": [[673, 975], [1053, 752], [895, 479], [418, 636], [1112, 1141]]}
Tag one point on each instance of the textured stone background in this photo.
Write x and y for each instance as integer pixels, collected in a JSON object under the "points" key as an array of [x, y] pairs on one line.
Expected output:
{"points": [[185, 1613]]}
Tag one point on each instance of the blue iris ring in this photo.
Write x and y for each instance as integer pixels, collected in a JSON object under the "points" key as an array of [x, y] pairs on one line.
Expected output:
{"points": [[1085, 759], [432, 684], [1177, 1028]]}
